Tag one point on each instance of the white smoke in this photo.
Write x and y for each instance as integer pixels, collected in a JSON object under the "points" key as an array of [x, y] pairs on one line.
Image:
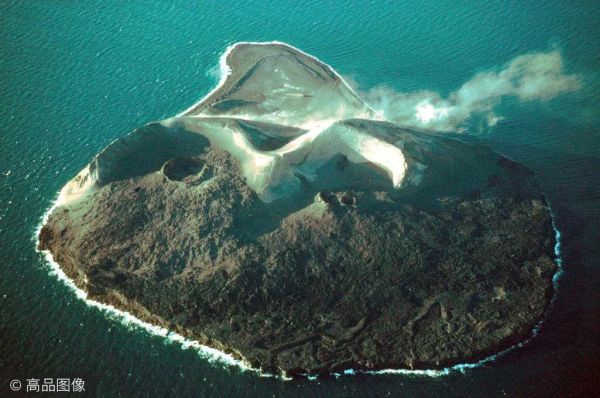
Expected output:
{"points": [[535, 76]]}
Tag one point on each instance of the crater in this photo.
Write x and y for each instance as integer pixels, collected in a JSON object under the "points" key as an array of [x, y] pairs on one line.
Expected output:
{"points": [[184, 169]]}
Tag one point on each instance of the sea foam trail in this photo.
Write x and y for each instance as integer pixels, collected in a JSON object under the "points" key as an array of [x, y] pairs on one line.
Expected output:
{"points": [[216, 356]]}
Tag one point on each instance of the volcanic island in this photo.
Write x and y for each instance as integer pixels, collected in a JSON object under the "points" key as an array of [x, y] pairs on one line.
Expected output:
{"points": [[285, 222]]}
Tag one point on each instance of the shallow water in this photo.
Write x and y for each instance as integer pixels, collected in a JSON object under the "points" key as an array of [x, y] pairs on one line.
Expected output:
{"points": [[75, 76]]}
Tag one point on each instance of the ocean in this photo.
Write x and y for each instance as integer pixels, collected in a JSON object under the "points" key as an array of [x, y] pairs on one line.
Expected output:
{"points": [[521, 77]]}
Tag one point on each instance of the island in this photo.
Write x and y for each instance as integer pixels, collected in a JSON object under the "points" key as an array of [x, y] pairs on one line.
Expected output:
{"points": [[283, 220]]}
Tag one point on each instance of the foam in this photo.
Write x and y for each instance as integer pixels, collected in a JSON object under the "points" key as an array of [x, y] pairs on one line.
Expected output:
{"points": [[225, 71]]}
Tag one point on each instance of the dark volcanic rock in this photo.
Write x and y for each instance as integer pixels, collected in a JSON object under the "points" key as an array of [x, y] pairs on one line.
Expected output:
{"points": [[324, 264]]}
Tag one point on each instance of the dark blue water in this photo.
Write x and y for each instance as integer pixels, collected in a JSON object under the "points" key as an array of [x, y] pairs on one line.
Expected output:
{"points": [[75, 75]]}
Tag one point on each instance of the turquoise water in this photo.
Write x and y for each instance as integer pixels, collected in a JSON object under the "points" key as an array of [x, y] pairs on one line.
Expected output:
{"points": [[76, 75]]}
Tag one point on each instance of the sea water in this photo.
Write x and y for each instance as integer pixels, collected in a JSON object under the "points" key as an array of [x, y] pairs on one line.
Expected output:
{"points": [[76, 75]]}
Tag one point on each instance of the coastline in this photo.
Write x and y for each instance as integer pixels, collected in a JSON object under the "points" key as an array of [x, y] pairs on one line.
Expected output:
{"points": [[214, 355]]}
